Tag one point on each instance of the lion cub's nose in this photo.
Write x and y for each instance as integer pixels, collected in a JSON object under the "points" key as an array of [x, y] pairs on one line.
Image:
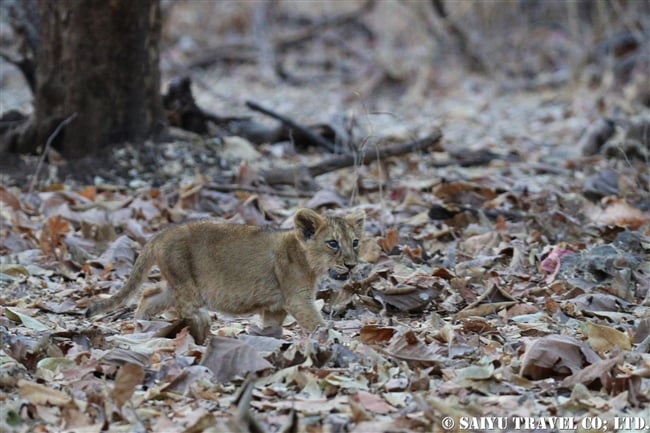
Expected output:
{"points": [[350, 266]]}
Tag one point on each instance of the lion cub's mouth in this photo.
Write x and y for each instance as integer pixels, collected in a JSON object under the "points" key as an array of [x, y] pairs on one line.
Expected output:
{"points": [[339, 276]]}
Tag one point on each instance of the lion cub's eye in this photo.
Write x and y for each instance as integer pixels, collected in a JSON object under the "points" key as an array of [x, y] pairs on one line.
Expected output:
{"points": [[333, 244], [355, 244]]}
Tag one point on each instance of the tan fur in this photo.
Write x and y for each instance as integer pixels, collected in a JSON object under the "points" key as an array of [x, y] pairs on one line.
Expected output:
{"points": [[242, 270]]}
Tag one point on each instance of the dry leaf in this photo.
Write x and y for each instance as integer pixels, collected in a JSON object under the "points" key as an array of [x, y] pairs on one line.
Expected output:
{"points": [[619, 213], [556, 355], [129, 376], [39, 394], [372, 334], [8, 199], [119, 255], [597, 370], [52, 235], [188, 376], [409, 347], [372, 403], [603, 338], [230, 357], [389, 242], [21, 316]]}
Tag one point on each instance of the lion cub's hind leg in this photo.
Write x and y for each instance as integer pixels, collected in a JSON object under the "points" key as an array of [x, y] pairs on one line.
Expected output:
{"points": [[198, 320], [185, 293], [154, 301]]}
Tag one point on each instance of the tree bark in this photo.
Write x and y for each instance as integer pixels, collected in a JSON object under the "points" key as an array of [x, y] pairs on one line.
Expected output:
{"points": [[99, 59]]}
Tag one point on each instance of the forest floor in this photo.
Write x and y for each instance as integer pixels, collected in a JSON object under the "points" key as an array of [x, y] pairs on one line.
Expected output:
{"points": [[514, 290]]}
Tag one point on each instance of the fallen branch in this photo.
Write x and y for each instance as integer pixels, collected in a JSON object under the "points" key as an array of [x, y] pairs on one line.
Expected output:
{"points": [[303, 131], [257, 190], [303, 175]]}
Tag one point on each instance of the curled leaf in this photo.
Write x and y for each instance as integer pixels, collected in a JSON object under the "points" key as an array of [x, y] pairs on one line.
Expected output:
{"points": [[556, 355]]}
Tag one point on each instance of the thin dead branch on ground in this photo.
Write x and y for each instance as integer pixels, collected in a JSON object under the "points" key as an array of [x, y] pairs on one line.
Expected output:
{"points": [[46, 149]]}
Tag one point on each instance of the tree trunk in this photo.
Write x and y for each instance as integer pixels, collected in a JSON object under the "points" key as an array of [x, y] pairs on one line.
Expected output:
{"points": [[99, 59]]}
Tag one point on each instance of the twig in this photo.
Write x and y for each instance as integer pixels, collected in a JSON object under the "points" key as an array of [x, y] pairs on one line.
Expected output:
{"points": [[48, 143], [335, 163], [288, 176], [269, 191], [303, 130]]}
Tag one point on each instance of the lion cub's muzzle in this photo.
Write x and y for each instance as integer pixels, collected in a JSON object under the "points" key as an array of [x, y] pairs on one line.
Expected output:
{"points": [[335, 274]]}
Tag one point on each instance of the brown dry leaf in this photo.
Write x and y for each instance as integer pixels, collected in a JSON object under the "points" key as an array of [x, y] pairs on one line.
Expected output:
{"points": [[408, 347], [188, 376], [54, 230], [90, 192], [389, 242], [129, 376], [521, 309], [372, 402], [38, 394], [119, 254], [8, 199], [556, 355], [119, 356], [474, 245], [230, 357], [477, 324], [491, 300], [619, 213], [603, 338], [464, 192], [415, 254], [599, 302], [373, 334], [597, 370], [483, 310]]}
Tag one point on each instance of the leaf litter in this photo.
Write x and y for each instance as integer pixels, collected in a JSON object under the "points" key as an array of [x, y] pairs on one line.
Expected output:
{"points": [[517, 287]]}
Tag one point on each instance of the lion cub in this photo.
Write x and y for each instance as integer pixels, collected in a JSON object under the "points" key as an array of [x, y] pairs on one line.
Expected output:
{"points": [[239, 269]]}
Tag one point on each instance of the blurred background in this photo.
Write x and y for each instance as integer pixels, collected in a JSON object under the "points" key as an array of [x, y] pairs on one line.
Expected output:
{"points": [[374, 55]]}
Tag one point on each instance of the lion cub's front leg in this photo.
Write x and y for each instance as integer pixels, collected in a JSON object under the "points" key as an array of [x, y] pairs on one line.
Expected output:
{"points": [[273, 318], [302, 306]]}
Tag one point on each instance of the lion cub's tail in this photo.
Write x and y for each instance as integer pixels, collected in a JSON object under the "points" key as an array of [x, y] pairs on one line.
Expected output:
{"points": [[140, 271]]}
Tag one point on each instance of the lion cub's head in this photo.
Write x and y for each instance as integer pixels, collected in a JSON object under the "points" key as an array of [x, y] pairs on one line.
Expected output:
{"points": [[331, 243]]}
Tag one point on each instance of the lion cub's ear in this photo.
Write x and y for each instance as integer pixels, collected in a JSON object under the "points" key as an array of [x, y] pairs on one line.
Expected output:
{"points": [[357, 219], [307, 222]]}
